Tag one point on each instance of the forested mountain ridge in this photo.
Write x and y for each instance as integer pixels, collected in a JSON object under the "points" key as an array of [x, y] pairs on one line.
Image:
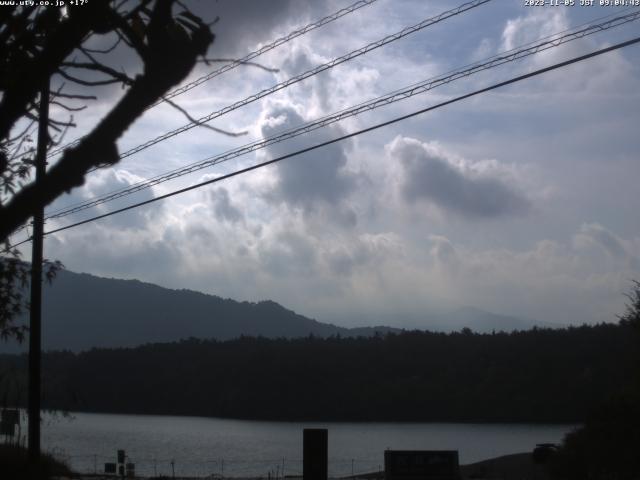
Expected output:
{"points": [[540, 375], [82, 311]]}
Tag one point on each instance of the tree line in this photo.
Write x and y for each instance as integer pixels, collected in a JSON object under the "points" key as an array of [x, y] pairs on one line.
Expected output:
{"points": [[539, 375]]}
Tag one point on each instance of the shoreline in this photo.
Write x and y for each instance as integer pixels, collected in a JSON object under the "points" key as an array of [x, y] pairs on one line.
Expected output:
{"points": [[71, 413], [516, 466]]}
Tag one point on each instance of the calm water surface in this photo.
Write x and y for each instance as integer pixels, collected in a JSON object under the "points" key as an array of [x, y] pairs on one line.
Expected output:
{"points": [[205, 446]]}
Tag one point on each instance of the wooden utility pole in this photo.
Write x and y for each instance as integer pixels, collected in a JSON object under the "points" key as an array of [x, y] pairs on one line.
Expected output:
{"points": [[35, 311]]}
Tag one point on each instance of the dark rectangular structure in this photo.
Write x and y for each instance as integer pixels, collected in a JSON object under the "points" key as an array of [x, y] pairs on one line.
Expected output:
{"points": [[421, 465], [315, 453]]}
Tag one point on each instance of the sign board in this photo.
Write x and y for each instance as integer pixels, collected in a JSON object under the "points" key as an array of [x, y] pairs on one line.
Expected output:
{"points": [[110, 468], [421, 465]]}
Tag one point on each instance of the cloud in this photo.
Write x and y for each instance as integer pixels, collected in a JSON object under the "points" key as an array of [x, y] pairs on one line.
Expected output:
{"points": [[339, 233], [444, 253], [317, 179], [531, 27], [241, 27], [289, 254], [474, 191], [550, 281], [106, 181], [223, 208], [593, 234]]}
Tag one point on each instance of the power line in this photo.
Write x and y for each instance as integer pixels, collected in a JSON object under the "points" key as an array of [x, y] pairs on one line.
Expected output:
{"points": [[307, 74], [353, 134], [353, 54], [246, 59], [398, 95], [271, 46]]}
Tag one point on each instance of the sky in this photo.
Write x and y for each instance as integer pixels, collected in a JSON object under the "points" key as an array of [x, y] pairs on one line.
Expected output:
{"points": [[522, 201]]}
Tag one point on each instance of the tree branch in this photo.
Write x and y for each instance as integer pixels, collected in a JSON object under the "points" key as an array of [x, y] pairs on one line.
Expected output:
{"points": [[202, 124], [67, 107], [98, 67], [74, 96], [231, 60], [59, 46], [87, 83], [172, 54], [106, 50]]}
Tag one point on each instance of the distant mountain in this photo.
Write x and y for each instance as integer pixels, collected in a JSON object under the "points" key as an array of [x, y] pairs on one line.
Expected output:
{"points": [[82, 311], [482, 321], [452, 320]]}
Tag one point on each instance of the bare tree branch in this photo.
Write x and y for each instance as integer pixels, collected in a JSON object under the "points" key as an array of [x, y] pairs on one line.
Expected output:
{"points": [[170, 53], [106, 50], [74, 96], [100, 68], [67, 107], [87, 83], [19, 135], [202, 124], [59, 45], [55, 142], [247, 63]]}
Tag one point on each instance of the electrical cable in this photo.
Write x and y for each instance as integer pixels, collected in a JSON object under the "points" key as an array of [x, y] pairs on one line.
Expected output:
{"points": [[353, 134], [247, 58], [398, 95], [303, 76], [307, 74]]}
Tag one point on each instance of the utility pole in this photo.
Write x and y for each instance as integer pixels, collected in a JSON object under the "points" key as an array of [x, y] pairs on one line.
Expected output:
{"points": [[35, 311]]}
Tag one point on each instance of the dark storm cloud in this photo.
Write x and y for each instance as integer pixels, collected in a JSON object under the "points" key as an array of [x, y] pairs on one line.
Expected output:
{"points": [[429, 175]]}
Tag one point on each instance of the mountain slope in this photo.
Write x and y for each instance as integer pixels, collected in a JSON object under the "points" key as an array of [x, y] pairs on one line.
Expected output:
{"points": [[82, 311]]}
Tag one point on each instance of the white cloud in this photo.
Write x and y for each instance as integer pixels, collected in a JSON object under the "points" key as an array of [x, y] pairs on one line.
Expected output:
{"points": [[106, 181], [341, 233], [533, 26], [595, 235], [313, 181]]}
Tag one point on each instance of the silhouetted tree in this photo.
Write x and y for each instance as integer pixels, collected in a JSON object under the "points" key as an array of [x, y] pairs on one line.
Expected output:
{"points": [[607, 445], [534, 376], [38, 43], [632, 315]]}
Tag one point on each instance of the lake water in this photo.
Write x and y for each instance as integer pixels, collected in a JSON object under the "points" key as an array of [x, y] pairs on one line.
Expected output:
{"points": [[205, 446]]}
